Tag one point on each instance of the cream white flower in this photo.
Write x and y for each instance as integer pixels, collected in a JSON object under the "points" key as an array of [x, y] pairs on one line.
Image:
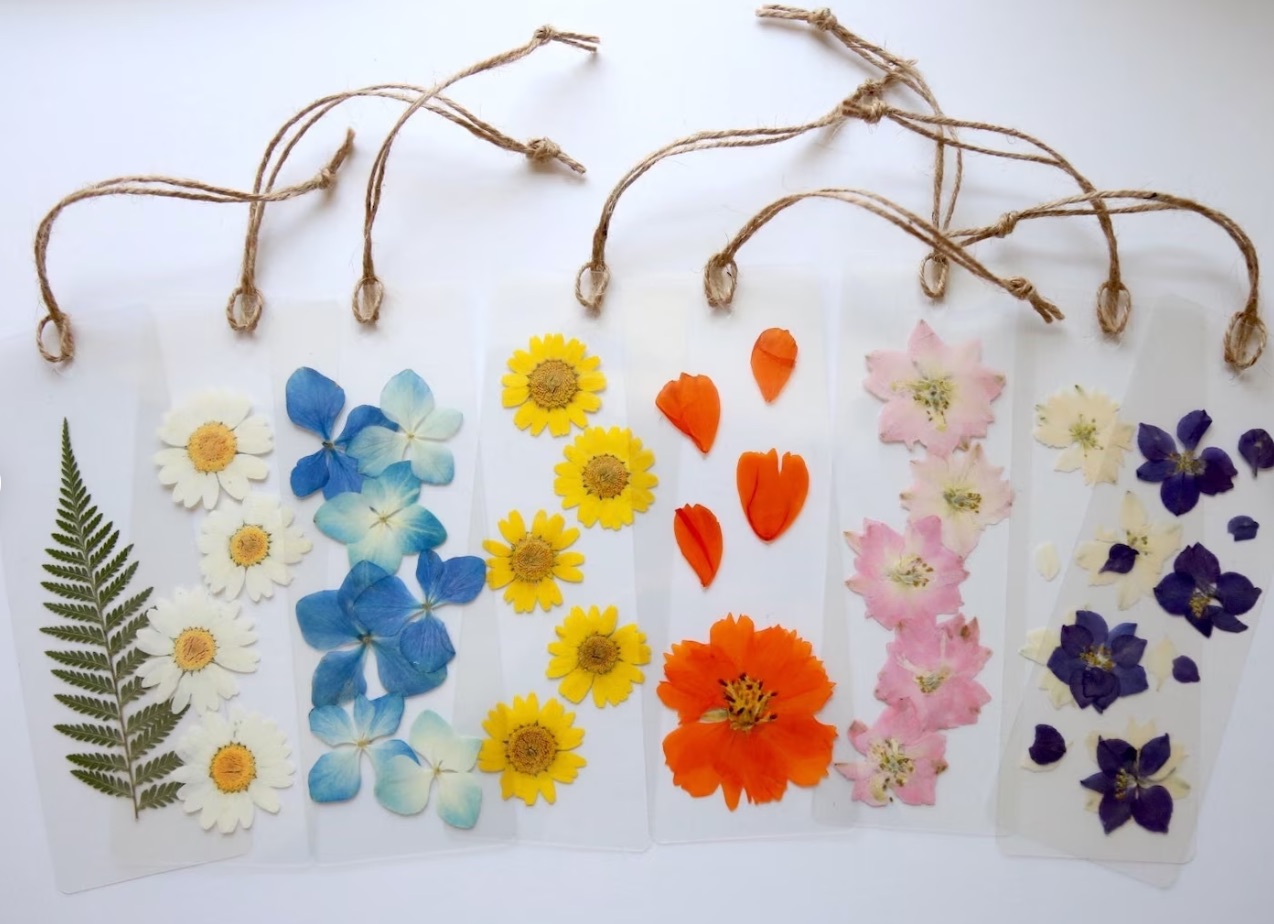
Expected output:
{"points": [[231, 768], [1086, 427], [194, 642], [1138, 735], [250, 545], [1040, 644], [213, 444], [1154, 544]]}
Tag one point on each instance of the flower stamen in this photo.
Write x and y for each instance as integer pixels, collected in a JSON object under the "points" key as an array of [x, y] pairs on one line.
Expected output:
{"points": [[553, 384], [962, 500], [249, 546], [934, 395], [746, 703], [194, 649], [598, 654], [531, 560], [233, 768], [212, 447], [530, 749], [911, 571], [605, 476]]}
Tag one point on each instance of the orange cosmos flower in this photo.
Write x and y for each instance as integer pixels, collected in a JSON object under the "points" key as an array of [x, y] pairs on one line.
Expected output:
{"points": [[746, 703]]}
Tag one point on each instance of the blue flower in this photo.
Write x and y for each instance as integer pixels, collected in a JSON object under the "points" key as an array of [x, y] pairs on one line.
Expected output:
{"points": [[1128, 786], [1257, 449], [382, 522], [1208, 599], [1183, 475], [444, 756], [1099, 666], [349, 622], [337, 775], [421, 428], [314, 403]]}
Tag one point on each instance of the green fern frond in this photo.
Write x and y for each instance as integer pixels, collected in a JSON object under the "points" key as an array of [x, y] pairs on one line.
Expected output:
{"points": [[90, 574]]}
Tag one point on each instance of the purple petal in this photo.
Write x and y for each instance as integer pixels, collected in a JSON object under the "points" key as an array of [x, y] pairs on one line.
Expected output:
{"points": [[1184, 670], [1098, 782], [1154, 754], [1115, 754], [1077, 639], [1132, 680], [1203, 622], [1218, 471], [1242, 528], [1155, 444], [1113, 812], [1198, 562], [1095, 625], [1224, 621], [1152, 809], [1121, 559], [1126, 650], [1124, 628], [1236, 593], [1095, 687], [1257, 449], [1049, 746], [1155, 472], [1190, 428], [1064, 666], [1174, 593], [1179, 492]]}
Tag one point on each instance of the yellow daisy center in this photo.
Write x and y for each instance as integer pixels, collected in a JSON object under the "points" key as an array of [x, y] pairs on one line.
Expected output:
{"points": [[553, 384], [194, 649], [249, 546], [605, 476], [212, 447], [962, 500], [598, 654], [233, 768], [746, 702], [929, 683], [911, 571], [530, 749], [892, 761], [531, 560]]}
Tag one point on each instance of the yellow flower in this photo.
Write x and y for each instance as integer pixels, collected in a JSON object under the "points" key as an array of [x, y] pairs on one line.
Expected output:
{"points": [[531, 748], [606, 475], [593, 654], [528, 566], [552, 384]]}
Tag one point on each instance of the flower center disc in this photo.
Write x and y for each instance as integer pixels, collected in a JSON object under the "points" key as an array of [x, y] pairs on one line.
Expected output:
{"points": [[194, 649], [531, 749], [531, 560], [605, 476], [911, 571], [929, 683], [934, 395], [598, 654], [212, 447], [233, 768], [553, 384], [249, 546], [1099, 657], [1199, 602], [962, 500], [746, 702], [892, 761], [1187, 464], [1125, 782], [1084, 433]]}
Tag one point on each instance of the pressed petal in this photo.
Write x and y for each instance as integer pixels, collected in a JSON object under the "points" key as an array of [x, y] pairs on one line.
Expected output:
{"points": [[1155, 472], [1098, 782], [1126, 650], [402, 786], [698, 534], [324, 623], [693, 405], [336, 776], [1180, 492], [1114, 755], [772, 495], [1155, 444], [1184, 670], [339, 677], [310, 473], [343, 475], [459, 799], [457, 580], [1221, 620], [386, 714], [345, 518], [358, 420], [398, 675], [1236, 593], [440, 745], [313, 401], [773, 360], [1257, 449], [426, 644], [1114, 811], [1048, 747], [1152, 809], [1199, 563], [1191, 427], [406, 399], [1174, 593], [1242, 528], [1218, 471], [383, 606], [431, 463], [377, 448], [332, 726], [1120, 559], [1076, 638]]}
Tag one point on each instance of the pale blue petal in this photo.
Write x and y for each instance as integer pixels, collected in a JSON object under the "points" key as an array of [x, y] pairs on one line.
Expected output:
{"points": [[362, 716], [324, 623], [457, 580], [339, 677], [459, 799], [332, 726], [425, 643], [442, 424], [395, 488], [336, 776], [402, 786], [383, 717], [385, 606], [382, 547], [377, 448], [431, 463], [311, 473], [437, 742], [419, 530], [397, 675], [345, 518], [313, 401], [342, 475], [406, 399], [358, 420], [381, 753]]}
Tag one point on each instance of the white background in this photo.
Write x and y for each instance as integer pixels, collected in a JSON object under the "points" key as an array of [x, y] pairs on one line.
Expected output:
{"points": [[1167, 94]]}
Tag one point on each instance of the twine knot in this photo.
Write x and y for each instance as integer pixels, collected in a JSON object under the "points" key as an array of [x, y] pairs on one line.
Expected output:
{"points": [[243, 310], [598, 279], [1004, 227], [368, 296], [1114, 305], [545, 34], [1024, 289], [823, 19], [720, 276], [1245, 338], [326, 177], [865, 103], [542, 150]]}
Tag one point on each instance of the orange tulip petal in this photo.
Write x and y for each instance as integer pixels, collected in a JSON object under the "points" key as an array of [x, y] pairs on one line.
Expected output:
{"points": [[773, 359], [772, 497], [699, 537], [693, 405]]}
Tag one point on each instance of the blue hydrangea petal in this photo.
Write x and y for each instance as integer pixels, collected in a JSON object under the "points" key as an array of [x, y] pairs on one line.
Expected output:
{"points": [[1048, 747], [1132, 680], [362, 711], [406, 399], [420, 530], [1236, 593], [1184, 670], [1154, 754], [382, 546], [1174, 593], [385, 606], [358, 420], [1155, 444], [1152, 809], [1155, 472], [343, 475], [459, 799], [313, 401], [431, 463], [402, 785], [361, 577], [332, 726], [1115, 754], [345, 518], [324, 623], [393, 489], [384, 716], [1218, 471], [1242, 528], [397, 675], [310, 473], [377, 448], [336, 776], [457, 580], [339, 677], [1126, 650], [441, 746], [1198, 561], [1094, 624], [381, 753], [1191, 427], [1179, 493], [426, 644], [442, 424], [1113, 812]]}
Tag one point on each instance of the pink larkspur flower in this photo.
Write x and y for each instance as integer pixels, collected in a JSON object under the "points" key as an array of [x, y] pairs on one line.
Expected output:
{"points": [[905, 576], [935, 394], [964, 490], [902, 759], [932, 666]]}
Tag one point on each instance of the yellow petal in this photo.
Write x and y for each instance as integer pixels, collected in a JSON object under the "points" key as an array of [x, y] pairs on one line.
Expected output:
{"points": [[498, 573], [566, 766], [531, 416], [525, 788], [566, 538], [567, 573], [607, 619], [590, 382], [513, 529], [575, 685], [513, 397], [491, 547], [561, 665], [548, 595], [521, 362], [559, 422], [544, 785], [521, 595]]}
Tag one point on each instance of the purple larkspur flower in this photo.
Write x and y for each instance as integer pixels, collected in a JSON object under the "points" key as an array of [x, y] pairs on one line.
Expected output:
{"points": [[1126, 784], [1099, 665], [1183, 474], [1207, 597]]}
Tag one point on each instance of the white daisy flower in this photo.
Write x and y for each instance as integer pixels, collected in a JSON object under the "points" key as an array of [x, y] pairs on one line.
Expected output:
{"points": [[213, 445], [250, 545], [194, 642], [1086, 427], [1132, 557], [232, 767]]}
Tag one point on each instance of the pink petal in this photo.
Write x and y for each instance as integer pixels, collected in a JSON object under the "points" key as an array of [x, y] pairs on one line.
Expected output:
{"points": [[884, 368]]}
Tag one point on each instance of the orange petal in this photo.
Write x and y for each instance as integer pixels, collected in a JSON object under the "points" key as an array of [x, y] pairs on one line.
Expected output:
{"points": [[773, 359], [694, 407], [699, 537], [772, 498]]}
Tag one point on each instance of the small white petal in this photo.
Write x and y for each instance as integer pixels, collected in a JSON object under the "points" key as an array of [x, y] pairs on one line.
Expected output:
{"points": [[1047, 562]]}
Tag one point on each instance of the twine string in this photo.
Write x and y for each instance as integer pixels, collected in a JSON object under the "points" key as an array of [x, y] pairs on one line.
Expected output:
{"points": [[158, 187]]}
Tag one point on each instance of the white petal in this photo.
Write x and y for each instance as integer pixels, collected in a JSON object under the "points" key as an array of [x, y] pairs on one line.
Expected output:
{"points": [[1158, 660], [1047, 562], [253, 435]]}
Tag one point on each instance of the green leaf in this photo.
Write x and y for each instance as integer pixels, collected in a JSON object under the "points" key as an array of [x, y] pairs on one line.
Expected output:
{"points": [[104, 709], [75, 575], [99, 761], [70, 591], [83, 635], [105, 782], [112, 590], [127, 609], [80, 612], [159, 796], [126, 635], [94, 683], [126, 666], [131, 691], [85, 660], [110, 569], [70, 558], [101, 735], [157, 768], [101, 554], [145, 736]]}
